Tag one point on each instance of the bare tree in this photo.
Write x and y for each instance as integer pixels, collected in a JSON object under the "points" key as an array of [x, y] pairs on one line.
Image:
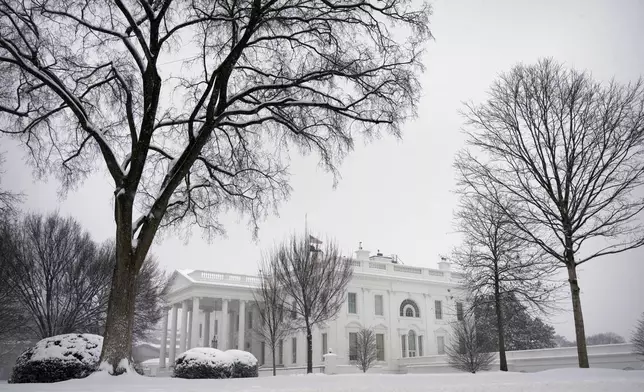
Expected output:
{"points": [[51, 269], [465, 351], [193, 106], [566, 152], [12, 319], [8, 200], [315, 280], [60, 279], [366, 349], [270, 299], [499, 265], [638, 337], [151, 288]]}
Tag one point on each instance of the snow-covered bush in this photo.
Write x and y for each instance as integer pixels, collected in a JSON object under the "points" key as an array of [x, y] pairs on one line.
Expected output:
{"points": [[58, 358], [244, 364], [204, 362]]}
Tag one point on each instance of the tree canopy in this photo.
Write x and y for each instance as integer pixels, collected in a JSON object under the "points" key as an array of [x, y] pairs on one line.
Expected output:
{"points": [[522, 331]]}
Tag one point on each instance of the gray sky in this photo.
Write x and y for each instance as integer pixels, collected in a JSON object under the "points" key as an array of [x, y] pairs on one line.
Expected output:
{"points": [[395, 195]]}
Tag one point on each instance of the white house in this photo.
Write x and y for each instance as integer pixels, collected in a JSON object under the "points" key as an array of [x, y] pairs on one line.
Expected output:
{"points": [[409, 308]]}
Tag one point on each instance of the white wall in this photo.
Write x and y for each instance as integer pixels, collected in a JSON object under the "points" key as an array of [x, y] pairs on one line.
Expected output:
{"points": [[394, 292], [614, 356]]}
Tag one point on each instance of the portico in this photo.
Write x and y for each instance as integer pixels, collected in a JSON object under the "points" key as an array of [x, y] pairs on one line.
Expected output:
{"points": [[207, 309]]}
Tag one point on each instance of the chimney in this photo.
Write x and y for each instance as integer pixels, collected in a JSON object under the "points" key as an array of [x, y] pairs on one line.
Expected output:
{"points": [[444, 265], [362, 254]]}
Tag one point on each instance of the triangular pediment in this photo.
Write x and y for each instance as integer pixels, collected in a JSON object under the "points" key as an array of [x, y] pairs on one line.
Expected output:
{"points": [[177, 282], [380, 327], [353, 324], [440, 331]]}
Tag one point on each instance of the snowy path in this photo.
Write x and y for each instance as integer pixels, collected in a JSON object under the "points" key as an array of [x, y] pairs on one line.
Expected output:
{"points": [[563, 380]]}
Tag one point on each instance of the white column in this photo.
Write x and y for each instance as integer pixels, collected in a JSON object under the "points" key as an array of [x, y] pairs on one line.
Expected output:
{"points": [[206, 328], [223, 325], [184, 327], [164, 338], [254, 347], [195, 322], [242, 324], [216, 327], [173, 335], [189, 332]]}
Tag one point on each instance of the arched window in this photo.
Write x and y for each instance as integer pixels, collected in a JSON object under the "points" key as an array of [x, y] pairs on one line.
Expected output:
{"points": [[411, 336], [408, 308]]}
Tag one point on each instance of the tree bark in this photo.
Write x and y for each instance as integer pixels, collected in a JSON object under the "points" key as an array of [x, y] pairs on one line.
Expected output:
{"points": [[274, 367], [582, 351], [117, 340], [309, 349], [499, 326]]}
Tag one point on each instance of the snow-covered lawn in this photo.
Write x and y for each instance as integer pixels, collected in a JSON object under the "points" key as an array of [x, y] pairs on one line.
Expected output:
{"points": [[562, 380]]}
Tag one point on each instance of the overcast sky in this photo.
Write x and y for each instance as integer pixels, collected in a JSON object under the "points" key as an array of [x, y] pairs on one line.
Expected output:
{"points": [[396, 195]]}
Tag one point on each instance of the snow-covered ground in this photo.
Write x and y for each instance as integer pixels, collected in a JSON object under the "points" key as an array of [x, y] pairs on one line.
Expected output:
{"points": [[562, 380]]}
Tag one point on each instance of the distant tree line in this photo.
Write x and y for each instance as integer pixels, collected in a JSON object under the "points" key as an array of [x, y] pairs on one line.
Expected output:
{"points": [[592, 340]]}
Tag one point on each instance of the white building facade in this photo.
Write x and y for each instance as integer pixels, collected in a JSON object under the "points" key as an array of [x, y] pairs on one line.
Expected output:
{"points": [[409, 308]]}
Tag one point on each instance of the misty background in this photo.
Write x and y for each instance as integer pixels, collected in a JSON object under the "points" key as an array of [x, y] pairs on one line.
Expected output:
{"points": [[396, 195]]}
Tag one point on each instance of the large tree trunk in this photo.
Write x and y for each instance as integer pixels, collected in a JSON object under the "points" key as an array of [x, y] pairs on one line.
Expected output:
{"points": [[117, 340], [274, 365], [499, 326], [309, 349], [582, 351]]}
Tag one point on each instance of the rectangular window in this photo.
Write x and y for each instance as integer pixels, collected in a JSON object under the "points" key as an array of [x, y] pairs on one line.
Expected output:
{"points": [[459, 311], [440, 342], [249, 321], [216, 327], [353, 303], [403, 345], [263, 354], [294, 349], [378, 303], [420, 345], [325, 347], [281, 353], [293, 312], [200, 331], [380, 346], [353, 346], [237, 322], [438, 307]]}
